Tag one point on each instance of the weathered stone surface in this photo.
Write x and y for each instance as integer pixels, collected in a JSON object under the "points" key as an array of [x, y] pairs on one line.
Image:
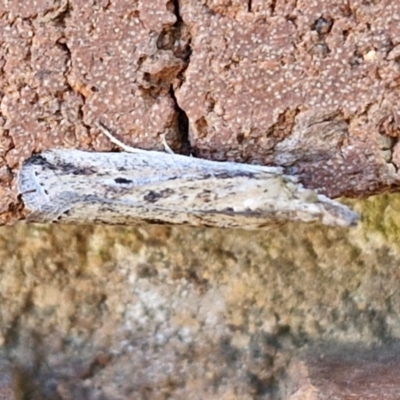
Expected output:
{"points": [[345, 375], [8, 390], [150, 312]]}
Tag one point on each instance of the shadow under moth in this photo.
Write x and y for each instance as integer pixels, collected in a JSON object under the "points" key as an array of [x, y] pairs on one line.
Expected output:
{"points": [[136, 187]]}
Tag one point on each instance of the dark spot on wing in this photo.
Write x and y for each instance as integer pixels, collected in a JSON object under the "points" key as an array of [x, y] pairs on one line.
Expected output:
{"points": [[122, 180], [153, 196]]}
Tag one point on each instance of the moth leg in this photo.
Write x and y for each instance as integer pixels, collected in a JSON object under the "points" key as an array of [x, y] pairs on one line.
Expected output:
{"points": [[114, 140]]}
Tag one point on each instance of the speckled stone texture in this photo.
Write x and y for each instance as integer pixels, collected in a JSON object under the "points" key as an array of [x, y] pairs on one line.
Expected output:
{"points": [[308, 85], [120, 313]]}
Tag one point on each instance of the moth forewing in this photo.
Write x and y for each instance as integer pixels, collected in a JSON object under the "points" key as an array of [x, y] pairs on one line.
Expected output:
{"points": [[74, 186]]}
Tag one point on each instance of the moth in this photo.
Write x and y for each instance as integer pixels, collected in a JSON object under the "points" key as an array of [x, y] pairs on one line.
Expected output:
{"points": [[136, 187]]}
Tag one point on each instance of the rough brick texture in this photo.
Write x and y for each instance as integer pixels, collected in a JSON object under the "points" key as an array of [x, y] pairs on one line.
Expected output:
{"points": [[308, 85]]}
